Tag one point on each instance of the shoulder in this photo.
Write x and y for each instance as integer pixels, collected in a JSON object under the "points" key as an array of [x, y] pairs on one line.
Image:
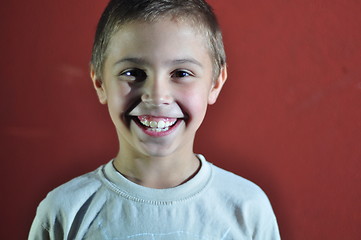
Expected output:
{"points": [[240, 191], [81, 186], [231, 182], [71, 195], [247, 200], [65, 204]]}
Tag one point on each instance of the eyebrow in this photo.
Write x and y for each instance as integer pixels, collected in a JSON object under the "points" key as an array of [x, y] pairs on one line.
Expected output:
{"points": [[139, 61], [142, 61], [185, 60]]}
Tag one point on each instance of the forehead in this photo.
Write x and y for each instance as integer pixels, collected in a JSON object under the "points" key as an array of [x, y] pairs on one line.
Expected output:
{"points": [[165, 39]]}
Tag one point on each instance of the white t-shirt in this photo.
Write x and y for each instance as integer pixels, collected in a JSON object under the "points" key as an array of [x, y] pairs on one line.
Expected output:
{"points": [[213, 205]]}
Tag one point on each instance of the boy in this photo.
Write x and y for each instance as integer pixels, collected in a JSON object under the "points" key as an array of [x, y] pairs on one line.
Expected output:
{"points": [[157, 65]]}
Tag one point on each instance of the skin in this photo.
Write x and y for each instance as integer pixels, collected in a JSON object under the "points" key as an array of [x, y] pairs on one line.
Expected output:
{"points": [[160, 69]]}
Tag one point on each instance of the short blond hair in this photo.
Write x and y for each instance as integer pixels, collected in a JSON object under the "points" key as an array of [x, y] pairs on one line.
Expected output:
{"points": [[120, 12]]}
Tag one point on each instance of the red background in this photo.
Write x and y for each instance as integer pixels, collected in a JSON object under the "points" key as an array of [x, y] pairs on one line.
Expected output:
{"points": [[289, 117]]}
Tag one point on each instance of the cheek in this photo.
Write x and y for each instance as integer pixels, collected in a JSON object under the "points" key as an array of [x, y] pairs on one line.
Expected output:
{"points": [[195, 103], [118, 97]]}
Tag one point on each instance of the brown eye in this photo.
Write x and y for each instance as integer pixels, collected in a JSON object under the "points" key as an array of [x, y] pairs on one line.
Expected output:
{"points": [[181, 74], [134, 75]]}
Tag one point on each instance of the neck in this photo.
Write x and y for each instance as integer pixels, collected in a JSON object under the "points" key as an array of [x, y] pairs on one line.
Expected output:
{"points": [[157, 172]]}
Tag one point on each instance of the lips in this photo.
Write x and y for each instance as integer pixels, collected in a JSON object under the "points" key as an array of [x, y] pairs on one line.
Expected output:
{"points": [[156, 126]]}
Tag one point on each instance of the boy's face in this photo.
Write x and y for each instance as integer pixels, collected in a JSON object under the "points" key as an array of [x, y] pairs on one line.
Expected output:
{"points": [[157, 83]]}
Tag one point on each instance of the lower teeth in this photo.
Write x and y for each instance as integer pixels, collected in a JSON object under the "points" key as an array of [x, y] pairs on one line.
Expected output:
{"points": [[158, 129]]}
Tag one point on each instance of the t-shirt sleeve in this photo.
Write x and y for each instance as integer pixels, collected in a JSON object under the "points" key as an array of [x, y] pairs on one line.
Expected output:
{"points": [[38, 231], [43, 222], [57, 212], [260, 217], [270, 232]]}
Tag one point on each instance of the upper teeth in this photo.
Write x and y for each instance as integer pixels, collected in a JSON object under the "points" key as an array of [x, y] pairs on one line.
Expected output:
{"points": [[159, 124]]}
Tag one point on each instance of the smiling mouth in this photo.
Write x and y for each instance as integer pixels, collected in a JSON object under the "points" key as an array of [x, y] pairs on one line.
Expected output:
{"points": [[156, 125]]}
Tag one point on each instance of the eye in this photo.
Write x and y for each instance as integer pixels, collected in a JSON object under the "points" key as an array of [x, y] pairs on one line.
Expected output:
{"points": [[133, 75], [181, 74]]}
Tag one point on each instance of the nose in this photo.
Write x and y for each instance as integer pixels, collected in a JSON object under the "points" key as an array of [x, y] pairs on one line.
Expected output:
{"points": [[157, 92]]}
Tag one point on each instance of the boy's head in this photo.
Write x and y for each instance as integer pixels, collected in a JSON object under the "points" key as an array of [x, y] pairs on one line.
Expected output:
{"points": [[120, 12], [158, 64]]}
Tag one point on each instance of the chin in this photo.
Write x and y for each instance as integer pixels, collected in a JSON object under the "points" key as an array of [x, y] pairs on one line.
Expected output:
{"points": [[157, 152]]}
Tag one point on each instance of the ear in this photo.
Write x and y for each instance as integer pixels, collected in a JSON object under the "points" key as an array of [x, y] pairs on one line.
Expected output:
{"points": [[217, 85], [99, 86]]}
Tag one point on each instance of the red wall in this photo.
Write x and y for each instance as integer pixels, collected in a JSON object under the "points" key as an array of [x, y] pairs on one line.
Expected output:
{"points": [[289, 117]]}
